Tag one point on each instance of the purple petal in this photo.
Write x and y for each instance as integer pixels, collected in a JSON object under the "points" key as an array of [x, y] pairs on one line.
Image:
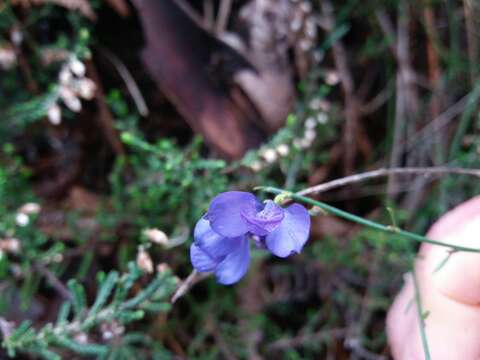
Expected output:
{"points": [[265, 221], [290, 236], [235, 264], [215, 245], [225, 212], [201, 261]]}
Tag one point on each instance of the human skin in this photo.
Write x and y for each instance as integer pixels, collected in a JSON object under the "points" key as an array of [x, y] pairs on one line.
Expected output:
{"points": [[451, 295]]}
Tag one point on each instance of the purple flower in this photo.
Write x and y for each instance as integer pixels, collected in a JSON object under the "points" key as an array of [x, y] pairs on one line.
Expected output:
{"points": [[221, 237]]}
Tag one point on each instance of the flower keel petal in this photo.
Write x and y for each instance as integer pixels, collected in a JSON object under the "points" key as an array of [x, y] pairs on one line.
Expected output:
{"points": [[215, 245], [235, 264], [201, 261]]}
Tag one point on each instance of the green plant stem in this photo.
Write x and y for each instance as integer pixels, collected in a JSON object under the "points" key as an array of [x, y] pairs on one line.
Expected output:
{"points": [[421, 319], [359, 220]]}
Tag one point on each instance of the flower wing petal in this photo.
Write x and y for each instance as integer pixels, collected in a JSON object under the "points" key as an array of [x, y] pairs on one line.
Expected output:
{"points": [[290, 236], [225, 212], [235, 264], [215, 245], [201, 261]]}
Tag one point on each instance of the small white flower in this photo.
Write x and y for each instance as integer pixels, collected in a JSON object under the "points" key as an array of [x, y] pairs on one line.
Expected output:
{"points": [[322, 118], [332, 78], [305, 143], [54, 114], [305, 44], [296, 24], [283, 149], [156, 236], [310, 123], [77, 67], [310, 135], [297, 143], [17, 37], [8, 59], [315, 103], [269, 155], [306, 7], [311, 28], [22, 219], [144, 261]]}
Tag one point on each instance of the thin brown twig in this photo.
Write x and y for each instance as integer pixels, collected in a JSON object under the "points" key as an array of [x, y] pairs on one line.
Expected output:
{"points": [[439, 170], [53, 281], [129, 81], [187, 284]]}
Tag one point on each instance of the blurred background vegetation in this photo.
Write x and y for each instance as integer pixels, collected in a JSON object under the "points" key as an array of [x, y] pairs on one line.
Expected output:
{"points": [[109, 154]]}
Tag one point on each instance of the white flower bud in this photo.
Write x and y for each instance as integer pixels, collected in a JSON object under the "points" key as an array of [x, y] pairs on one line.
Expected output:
{"points": [[161, 268], [156, 236], [269, 155], [310, 135], [305, 44], [70, 99], [77, 67], [144, 261], [256, 166], [86, 88], [30, 208], [8, 59], [22, 219], [310, 123], [283, 149], [296, 24], [17, 37], [65, 77], [306, 7], [332, 78], [54, 114], [311, 28], [10, 245], [322, 118]]}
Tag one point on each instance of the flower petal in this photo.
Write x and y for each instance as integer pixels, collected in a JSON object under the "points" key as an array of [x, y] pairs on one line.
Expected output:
{"points": [[225, 212], [215, 245], [265, 221], [290, 236], [235, 264], [201, 261]]}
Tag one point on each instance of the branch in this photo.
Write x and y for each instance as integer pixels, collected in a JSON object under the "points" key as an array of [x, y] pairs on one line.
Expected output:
{"points": [[386, 172], [362, 221]]}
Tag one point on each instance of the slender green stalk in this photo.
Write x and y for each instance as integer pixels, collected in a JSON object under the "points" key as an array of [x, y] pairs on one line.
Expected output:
{"points": [[362, 221], [421, 319]]}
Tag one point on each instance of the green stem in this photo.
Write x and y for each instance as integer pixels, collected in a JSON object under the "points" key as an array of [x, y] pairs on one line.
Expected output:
{"points": [[359, 220], [421, 316]]}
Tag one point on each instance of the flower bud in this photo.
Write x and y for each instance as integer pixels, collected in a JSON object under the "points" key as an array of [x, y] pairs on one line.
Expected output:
{"points": [[283, 149], [269, 155], [156, 236], [54, 114], [22, 219], [30, 208], [86, 88], [77, 67], [144, 261]]}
